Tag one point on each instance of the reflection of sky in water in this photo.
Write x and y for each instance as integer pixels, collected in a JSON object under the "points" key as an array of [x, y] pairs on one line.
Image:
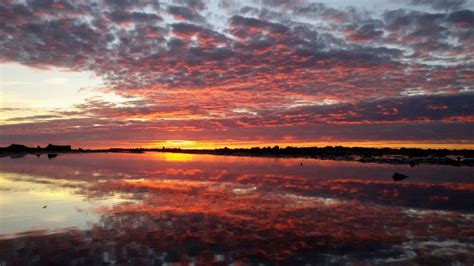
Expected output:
{"points": [[22, 198], [155, 207]]}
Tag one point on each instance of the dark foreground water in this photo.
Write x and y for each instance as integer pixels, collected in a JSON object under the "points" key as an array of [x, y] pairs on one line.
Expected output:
{"points": [[159, 208]]}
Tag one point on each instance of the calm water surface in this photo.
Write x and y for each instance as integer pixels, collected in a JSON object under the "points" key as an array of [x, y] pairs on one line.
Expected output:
{"points": [[159, 208]]}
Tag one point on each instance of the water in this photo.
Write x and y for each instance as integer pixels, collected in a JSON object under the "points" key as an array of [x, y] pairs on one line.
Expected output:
{"points": [[158, 208]]}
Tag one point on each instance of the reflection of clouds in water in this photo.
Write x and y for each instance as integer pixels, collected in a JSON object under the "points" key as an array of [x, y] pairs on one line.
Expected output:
{"points": [[36, 202], [441, 251], [207, 211], [179, 225], [417, 195], [338, 223]]}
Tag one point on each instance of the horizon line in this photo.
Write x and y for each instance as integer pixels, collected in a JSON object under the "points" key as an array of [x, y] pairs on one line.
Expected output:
{"points": [[77, 148]]}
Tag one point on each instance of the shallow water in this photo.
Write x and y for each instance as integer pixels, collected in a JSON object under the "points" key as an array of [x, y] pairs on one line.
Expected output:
{"points": [[158, 208]]}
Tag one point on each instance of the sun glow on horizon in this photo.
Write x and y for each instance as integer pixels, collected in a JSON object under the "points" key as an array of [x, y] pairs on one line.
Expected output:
{"points": [[208, 144]]}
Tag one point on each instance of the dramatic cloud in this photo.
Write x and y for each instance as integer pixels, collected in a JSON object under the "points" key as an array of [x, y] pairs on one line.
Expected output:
{"points": [[440, 4], [202, 66]]}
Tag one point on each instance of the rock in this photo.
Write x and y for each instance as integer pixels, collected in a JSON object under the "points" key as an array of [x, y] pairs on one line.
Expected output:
{"points": [[399, 177]]}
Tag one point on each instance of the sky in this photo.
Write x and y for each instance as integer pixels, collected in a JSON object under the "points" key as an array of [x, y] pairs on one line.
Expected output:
{"points": [[205, 74]]}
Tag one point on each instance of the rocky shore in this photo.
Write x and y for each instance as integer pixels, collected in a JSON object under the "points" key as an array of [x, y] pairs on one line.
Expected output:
{"points": [[410, 156]]}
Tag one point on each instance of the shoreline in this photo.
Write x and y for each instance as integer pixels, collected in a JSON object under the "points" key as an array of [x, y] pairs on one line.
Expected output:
{"points": [[392, 158]]}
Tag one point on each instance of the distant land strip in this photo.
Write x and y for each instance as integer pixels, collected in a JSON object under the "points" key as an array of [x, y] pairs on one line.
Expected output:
{"points": [[411, 156]]}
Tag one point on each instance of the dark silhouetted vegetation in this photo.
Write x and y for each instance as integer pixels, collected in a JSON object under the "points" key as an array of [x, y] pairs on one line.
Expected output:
{"points": [[411, 156]]}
